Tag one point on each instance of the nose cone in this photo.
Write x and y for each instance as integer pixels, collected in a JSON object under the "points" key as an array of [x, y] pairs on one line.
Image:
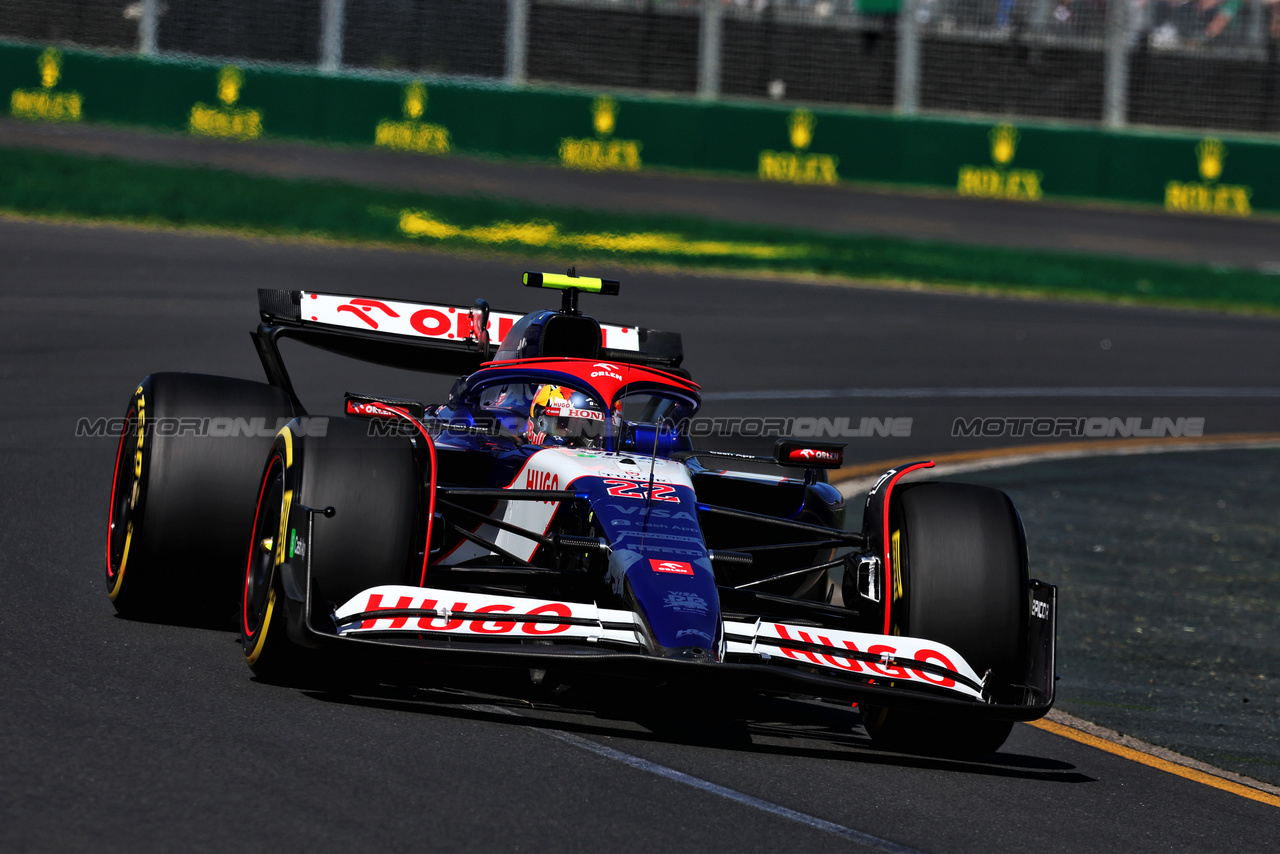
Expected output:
{"points": [[676, 596], [659, 562], [688, 653]]}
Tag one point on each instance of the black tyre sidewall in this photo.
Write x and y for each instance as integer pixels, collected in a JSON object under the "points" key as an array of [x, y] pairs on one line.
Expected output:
{"points": [[196, 492], [964, 572], [373, 484], [961, 564]]}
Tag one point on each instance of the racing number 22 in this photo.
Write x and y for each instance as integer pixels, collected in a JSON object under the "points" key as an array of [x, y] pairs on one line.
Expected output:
{"points": [[632, 489]]}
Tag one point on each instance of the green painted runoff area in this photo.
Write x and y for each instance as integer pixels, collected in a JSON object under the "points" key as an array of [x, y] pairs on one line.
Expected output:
{"points": [[70, 186]]}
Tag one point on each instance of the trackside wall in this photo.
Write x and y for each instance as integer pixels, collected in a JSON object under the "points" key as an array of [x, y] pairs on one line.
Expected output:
{"points": [[1226, 176]]}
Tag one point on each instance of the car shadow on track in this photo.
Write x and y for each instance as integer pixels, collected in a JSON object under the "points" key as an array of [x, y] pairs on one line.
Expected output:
{"points": [[779, 727]]}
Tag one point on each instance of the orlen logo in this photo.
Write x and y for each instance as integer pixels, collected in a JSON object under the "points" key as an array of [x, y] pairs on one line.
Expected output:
{"points": [[541, 480], [673, 566], [361, 308], [815, 455], [399, 318], [369, 410], [607, 370]]}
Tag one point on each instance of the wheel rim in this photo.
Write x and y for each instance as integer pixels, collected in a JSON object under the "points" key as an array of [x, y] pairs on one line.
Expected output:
{"points": [[263, 557], [124, 503]]}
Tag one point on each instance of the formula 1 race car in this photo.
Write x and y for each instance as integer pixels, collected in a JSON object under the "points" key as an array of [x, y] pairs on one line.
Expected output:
{"points": [[553, 513]]}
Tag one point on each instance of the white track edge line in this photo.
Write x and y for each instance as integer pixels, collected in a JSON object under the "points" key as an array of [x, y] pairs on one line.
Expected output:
{"points": [[855, 486], [1150, 392], [672, 774]]}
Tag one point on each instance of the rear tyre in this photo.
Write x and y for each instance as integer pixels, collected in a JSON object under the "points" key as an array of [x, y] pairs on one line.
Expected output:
{"points": [[960, 578], [372, 483], [182, 494]]}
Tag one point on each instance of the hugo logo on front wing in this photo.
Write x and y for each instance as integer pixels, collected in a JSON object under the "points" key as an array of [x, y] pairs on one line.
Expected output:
{"points": [[450, 622], [886, 666]]}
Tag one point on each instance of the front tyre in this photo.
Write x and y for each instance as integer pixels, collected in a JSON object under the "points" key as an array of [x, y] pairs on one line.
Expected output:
{"points": [[959, 576], [372, 483], [263, 630]]}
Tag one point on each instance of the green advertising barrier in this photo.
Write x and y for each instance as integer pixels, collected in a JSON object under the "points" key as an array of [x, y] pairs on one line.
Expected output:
{"points": [[1030, 163]]}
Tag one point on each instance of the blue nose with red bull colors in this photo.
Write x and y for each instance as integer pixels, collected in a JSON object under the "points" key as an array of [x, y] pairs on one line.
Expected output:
{"points": [[660, 565]]}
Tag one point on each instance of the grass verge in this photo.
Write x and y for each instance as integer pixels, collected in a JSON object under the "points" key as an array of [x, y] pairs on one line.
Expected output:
{"points": [[63, 185]]}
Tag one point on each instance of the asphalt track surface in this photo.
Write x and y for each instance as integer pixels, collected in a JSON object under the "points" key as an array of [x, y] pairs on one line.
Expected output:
{"points": [[1105, 230], [130, 736]]}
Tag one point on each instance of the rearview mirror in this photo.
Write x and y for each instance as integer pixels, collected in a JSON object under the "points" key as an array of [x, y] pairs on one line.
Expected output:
{"points": [[798, 453]]}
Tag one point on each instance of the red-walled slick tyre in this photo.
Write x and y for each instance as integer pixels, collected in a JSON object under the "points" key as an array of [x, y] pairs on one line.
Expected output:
{"points": [[372, 484], [959, 576], [182, 496]]}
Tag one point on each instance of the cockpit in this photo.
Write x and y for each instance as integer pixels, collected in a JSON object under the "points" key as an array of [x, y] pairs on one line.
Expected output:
{"points": [[554, 407]]}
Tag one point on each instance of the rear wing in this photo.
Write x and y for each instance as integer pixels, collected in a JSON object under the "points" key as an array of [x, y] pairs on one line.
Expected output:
{"points": [[426, 337]]}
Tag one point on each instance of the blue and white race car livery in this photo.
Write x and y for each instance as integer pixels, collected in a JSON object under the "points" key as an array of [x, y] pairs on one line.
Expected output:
{"points": [[553, 512]]}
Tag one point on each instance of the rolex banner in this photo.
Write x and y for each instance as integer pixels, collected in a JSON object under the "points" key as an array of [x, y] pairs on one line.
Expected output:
{"points": [[1198, 174]]}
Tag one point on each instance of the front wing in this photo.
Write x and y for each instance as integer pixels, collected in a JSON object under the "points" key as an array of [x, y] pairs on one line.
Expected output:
{"points": [[766, 655]]}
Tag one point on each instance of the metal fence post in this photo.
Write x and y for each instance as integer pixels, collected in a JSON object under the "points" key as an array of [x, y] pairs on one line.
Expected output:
{"points": [[517, 41], [1257, 24], [332, 15], [906, 97], [1115, 98], [147, 27], [709, 46]]}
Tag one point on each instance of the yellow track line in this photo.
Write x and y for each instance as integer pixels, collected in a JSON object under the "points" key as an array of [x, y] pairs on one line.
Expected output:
{"points": [[1095, 447], [1017, 454], [1156, 762]]}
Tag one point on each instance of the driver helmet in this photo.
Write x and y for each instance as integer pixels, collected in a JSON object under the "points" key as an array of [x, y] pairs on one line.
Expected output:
{"points": [[562, 416]]}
